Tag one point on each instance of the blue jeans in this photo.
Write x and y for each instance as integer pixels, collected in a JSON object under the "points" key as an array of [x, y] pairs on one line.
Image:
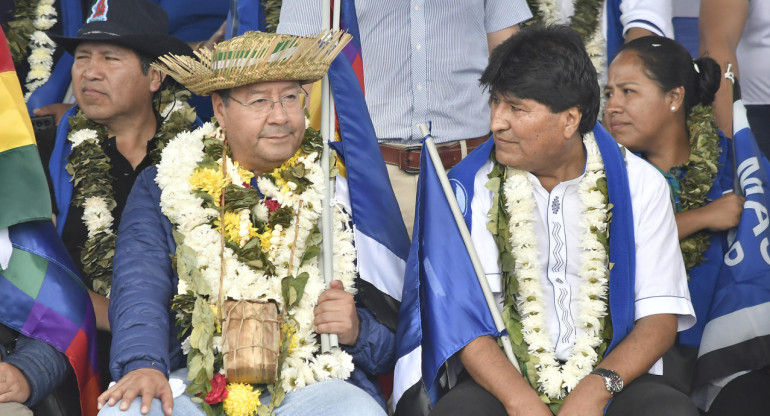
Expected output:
{"points": [[332, 397]]}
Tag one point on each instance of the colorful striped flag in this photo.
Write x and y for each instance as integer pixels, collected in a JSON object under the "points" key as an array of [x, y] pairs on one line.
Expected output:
{"points": [[43, 298], [352, 51], [41, 295], [25, 197]]}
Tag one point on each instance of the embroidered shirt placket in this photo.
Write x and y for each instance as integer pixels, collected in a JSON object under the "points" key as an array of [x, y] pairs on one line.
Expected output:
{"points": [[556, 214], [556, 270]]}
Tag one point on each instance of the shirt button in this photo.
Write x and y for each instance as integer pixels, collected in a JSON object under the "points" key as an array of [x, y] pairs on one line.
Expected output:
{"points": [[419, 87], [416, 8], [418, 47]]}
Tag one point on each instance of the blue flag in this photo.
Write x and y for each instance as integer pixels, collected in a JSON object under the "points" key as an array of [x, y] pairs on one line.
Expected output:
{"points": [[381, 237], [736, 335], [443, 307], [439, 315]]}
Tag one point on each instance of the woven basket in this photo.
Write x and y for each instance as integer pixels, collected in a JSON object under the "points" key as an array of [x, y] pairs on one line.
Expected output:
{"points": [[252, 339]]}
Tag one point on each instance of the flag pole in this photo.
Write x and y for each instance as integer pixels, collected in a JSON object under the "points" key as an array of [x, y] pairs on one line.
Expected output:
{"points": [[441, 173], [328, 341], [730, 76]]}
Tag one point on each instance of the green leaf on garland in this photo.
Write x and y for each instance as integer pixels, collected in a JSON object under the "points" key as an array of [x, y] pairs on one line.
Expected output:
{"points": [[507, 262], [310, 253], [493, 184], [292, 289], [238, 197], [90, 169]]}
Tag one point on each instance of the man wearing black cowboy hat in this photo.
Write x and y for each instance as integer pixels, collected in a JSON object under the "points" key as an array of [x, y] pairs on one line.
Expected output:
{"points": [[125, 112]]}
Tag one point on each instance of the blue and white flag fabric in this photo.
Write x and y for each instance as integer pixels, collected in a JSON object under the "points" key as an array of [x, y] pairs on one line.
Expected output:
{"points": [[443, 307], [736, 335], [380, 235], [439, 315]]}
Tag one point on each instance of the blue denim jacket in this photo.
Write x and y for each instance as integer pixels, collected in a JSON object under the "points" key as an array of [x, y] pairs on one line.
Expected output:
{"points": [[44, 367], [149, 339]]}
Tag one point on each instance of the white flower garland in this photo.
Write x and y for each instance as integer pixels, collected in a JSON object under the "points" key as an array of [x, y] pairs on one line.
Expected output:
{"points": [[304, 365], [597, 51], [42, 47], [596, 46], [96, 214], [556, 379], [81, 136]]}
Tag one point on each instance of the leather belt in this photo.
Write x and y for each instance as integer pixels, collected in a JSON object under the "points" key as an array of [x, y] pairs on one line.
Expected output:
{"points": [[407, 158]]}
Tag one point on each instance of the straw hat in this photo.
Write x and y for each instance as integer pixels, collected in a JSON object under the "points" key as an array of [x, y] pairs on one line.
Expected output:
{"points": [[255, 57]]}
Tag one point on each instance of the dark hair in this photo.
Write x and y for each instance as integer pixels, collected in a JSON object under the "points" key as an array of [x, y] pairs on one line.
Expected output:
{"points": [[669, 64], [144, 61], [225, 95], [548, 64]]}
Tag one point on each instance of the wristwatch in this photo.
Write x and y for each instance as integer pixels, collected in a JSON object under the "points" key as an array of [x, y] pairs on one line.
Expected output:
{"points": [[612, 380]]}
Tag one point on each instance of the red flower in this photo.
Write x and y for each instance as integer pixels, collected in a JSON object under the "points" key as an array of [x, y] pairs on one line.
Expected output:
{"points": [[218, 391], [246, 185], [272, 205]]}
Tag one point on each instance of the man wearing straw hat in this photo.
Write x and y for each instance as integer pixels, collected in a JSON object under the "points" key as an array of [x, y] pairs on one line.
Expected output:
{"points": [[578, 242], [217, 260]]}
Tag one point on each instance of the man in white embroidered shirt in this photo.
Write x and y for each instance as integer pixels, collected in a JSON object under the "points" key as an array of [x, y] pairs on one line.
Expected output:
{"points": [[594, 315]]}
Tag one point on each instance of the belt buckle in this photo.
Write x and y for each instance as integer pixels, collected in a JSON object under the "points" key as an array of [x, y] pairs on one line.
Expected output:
{"points": [[404, 153]]}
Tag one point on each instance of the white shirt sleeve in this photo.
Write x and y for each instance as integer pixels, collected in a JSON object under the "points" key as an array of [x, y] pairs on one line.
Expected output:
{"points": [[653, 15], [661, 279], [5, 249], [483, 240]]}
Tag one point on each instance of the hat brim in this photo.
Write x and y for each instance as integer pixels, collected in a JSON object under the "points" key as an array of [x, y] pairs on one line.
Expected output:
{"points": [[152, 44], [255, 57]]}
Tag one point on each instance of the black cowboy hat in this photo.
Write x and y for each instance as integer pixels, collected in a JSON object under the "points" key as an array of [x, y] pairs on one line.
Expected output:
{"points": [[134, 24]]}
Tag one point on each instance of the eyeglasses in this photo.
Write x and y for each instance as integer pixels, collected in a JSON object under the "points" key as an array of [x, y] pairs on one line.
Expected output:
{"points": [[263, 106]]}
